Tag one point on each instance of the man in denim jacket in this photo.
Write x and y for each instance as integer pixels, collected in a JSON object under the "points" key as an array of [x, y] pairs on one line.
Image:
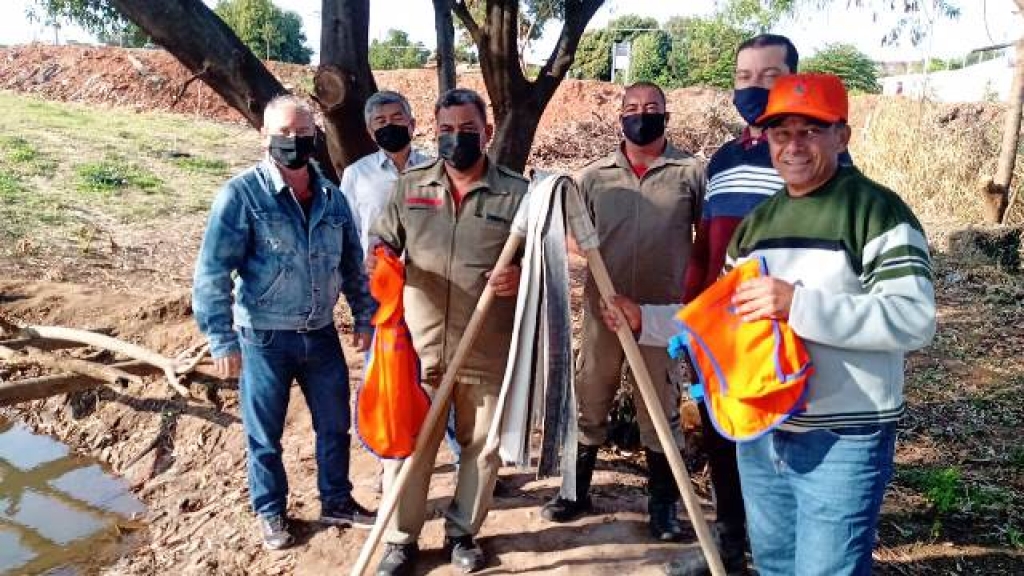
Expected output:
{"points": [[280, 246]]}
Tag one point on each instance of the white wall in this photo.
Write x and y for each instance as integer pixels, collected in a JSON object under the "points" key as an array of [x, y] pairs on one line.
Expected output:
{"points": [[973, 83]]}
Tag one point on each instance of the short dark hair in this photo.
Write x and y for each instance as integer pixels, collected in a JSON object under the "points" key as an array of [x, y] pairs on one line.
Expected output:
{"points": [[765, 40], [651, 85], [461, 97]]}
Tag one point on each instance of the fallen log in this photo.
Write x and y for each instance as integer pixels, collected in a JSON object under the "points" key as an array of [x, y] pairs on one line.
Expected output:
{"points": [[48, 345], [30, 355], [18, 391], [167, 365]]}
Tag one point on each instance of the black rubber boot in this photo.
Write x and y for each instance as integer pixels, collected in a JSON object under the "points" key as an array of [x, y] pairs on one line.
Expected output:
{"points": [[732, 543], [398, 560], [662, 499], [561, 509]]}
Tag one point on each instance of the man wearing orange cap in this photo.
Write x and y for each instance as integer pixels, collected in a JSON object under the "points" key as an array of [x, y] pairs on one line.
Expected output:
{"points": [[849, 270]]}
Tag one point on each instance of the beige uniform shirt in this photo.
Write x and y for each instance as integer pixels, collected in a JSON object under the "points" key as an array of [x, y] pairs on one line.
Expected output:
{"points": [[447, 253], [646, 224]]}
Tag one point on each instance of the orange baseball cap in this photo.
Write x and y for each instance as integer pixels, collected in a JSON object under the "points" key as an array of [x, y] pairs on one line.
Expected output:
{"points": [[818, 96]]}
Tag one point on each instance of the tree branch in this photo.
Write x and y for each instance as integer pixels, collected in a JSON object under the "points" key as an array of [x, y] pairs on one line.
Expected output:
{"points": [[199, 39], [577, 14], [184, 87], [460, 9]]}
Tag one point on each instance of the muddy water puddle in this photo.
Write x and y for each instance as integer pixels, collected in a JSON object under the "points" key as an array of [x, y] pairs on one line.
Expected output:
{"points": [[60, 514]]}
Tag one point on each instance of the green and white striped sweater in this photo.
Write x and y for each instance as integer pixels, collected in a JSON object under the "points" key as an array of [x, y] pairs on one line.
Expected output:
{"points": [[864, 295]]}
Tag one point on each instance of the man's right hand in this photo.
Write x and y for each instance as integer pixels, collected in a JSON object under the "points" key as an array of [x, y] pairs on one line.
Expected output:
{"points": [[629, 309], [229, 366], [370, 261]]}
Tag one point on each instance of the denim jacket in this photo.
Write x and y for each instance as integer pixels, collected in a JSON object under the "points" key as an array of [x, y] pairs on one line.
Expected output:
{"points": [[285, 274]]}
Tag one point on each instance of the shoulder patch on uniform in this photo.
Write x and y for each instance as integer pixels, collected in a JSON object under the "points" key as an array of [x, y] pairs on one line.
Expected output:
{"points": [[512, 173], [420, 167]]}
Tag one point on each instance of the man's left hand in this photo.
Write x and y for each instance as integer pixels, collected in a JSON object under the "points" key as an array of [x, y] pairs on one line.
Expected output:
{"points": [[764, 297], [505, 281], [361, 341]]}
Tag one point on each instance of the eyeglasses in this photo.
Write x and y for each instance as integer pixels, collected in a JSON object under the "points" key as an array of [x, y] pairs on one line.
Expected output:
{"points": [[782, 136]]}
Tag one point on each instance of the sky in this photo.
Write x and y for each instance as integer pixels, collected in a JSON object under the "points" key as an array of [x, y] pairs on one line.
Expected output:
{"points": [[982, 23]]}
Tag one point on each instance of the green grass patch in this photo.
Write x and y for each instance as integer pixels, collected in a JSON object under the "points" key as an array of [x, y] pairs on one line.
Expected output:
{"points": [[10, 185], [1015, 537], [23, 157], [201, 165], [18, 150], [943, 487], [68, 165], [1017, 458], [109, 176]]}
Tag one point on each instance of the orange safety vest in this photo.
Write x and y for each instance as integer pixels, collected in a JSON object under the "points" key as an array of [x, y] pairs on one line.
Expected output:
{"points": [[753, 374], [391, 405]]}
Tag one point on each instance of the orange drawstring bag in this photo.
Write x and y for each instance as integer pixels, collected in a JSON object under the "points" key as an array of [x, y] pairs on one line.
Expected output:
{"points": [[390, 406], [753, 374]]}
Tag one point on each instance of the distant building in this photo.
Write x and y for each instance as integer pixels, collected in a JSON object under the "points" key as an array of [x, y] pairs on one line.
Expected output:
{"points": [[986, 81]]}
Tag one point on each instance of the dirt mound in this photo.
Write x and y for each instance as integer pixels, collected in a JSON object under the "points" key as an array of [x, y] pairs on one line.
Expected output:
{"points": [[578, 125], [134, 78]]}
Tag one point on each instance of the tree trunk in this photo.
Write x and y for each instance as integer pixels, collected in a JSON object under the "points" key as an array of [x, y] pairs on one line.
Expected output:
{"points": [[514, 133], [445, 28], [344, 80], [517, 103], [996, 193], [201, 41]]}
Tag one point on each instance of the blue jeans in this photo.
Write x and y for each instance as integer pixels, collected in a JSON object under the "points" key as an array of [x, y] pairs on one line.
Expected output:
{"points": [[271, 360], [812, 499]]}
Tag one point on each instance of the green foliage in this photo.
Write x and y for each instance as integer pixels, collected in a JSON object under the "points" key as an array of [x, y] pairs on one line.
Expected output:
{"points": [[593, 56], [756, 15], [22, 158], [533, 16], [109, 176], [858, 71], [268, 31], [96, 16], [594, 53], [686, 51], [1015, 537], [202, 165], [938, 64], [397, 51], [698, 57], [18, 150], [127, 36], [1017, 458], [650, 58], [10, 185], [943, 487]]}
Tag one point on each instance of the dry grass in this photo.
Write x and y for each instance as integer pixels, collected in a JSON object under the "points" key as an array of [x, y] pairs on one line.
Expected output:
{"points": [[932, 154], [69, 171]]}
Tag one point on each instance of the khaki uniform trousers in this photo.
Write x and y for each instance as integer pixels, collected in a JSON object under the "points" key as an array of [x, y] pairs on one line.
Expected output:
{"points": [[475, 398], [599, 374]]}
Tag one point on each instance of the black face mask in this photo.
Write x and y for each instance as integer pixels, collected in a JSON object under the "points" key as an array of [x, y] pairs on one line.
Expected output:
{"points": [[392, 137], [292, 152], [642, 129], [750, 102], [460, 149]]}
